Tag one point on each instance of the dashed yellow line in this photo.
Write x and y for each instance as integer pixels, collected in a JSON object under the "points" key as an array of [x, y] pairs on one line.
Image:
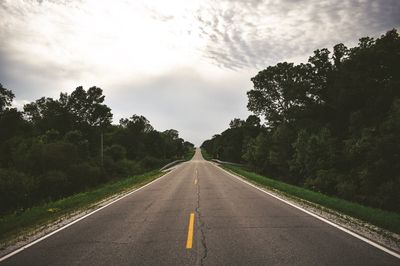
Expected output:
{"points": [[189, 241], [196, 178]]}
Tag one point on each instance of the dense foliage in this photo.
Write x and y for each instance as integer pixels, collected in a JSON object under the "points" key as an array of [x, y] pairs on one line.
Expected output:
{"points": [[53, 148], [332, 124]]}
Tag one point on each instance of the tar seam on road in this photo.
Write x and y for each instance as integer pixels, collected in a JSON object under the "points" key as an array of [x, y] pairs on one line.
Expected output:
{"points": [[200, 261], [189, 241], [79, 219], [366, 240]]}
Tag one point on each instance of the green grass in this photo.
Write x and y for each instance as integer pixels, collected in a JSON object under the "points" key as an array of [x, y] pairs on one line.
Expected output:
{"points": [[205, 155], [13, 225], [384, 219], [189, 155]]}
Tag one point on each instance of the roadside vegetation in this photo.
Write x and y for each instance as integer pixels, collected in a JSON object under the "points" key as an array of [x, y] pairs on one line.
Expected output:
{"points": [[205, 155], [53, 148], [17, 223], [189, 154], [331, 125], [383, 219]]}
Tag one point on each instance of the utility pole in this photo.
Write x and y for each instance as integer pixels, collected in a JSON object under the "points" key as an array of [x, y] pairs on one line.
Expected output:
{"points": [[101, 148]]}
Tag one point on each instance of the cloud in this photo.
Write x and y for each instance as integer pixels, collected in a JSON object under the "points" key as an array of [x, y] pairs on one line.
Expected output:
{"points": [[254, 34], [182, 64], [158, 15], [185, 100]]}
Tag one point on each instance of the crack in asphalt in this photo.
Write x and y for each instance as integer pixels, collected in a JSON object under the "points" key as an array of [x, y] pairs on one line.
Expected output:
{"points": [[148, 206], [201, 225]]}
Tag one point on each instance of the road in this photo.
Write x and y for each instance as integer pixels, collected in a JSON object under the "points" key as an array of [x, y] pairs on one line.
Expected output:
{"points": [[233, 224]]}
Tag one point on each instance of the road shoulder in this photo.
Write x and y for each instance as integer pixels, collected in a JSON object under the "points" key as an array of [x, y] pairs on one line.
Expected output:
{"points": [[382, 237], [36, 233]]}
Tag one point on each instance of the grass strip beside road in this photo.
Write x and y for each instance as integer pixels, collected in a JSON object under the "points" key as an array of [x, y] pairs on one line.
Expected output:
{"points": [[205, 155], [17, 224], [384, 219], [189, 155]]}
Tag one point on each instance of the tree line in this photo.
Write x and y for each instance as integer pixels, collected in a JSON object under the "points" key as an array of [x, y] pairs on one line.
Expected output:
{"points": [[331, 125], [53, 149]]}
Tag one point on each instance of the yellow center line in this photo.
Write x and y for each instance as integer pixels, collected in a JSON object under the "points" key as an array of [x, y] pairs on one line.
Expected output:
{"points": [[197, 175], [189, 241]]}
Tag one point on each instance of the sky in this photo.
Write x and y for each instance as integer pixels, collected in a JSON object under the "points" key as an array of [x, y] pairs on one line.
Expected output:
{"points": [[183, 64]]}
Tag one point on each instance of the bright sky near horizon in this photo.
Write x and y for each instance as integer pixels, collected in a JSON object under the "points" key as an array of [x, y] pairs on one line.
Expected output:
{"points": [[182, 64]]}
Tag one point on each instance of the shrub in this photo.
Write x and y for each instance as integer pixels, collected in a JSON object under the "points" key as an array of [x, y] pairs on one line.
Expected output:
{"points": [[16, 189], [116, 152], [84, 175], [150, 162], [53, 185]]}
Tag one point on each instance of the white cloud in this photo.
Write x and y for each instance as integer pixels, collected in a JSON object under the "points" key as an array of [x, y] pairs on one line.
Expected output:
{"points": [[182, 64], [259, 33], [186, 100]]}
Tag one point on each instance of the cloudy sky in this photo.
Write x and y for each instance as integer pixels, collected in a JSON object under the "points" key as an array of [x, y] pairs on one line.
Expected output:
{"points": [[183, 64]]}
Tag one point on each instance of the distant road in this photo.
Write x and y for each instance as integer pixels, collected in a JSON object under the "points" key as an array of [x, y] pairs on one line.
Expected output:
{"points": [[199, 215]]}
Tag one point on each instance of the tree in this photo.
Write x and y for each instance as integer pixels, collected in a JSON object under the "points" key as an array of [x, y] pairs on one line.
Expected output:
{"points": [[51, 150], [171, 133], [257, 153], [87, 106], [137, 124], [80, 110], [280, 92], [236, 123], [332, 125], [11, 124], [47, 113], [6, 98], [340, 52], [253, 121]]}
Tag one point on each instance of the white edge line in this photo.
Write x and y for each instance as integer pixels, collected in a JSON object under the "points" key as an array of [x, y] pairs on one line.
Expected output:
{"points": [[77, 220], [316, 216]]}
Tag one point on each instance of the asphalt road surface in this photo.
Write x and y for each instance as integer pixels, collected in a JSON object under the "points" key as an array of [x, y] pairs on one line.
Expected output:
{"points": [[199, 215]]}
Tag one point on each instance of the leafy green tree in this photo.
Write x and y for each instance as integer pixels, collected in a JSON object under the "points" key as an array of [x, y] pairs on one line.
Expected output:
{"points": [[257, 153], [332, 124], [280, 92], [116, 152], [16, 190], [87, 106], [314, 159], [236, 123], [52, 149], [6, 98], [252, 121], [137, 124], [340, 53], [46, 114], [12, 124], [80, 110]]}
